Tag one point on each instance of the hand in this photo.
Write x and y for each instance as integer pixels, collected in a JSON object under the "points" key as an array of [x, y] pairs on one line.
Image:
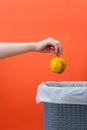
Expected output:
{"points": [[49, 45]]}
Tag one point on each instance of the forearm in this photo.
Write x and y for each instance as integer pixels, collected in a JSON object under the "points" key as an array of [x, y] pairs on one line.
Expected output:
{"points": [[12, 49], [47, 45]]}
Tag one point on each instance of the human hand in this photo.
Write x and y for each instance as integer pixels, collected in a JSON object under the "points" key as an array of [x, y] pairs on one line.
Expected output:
{"points": [[49, 45]]}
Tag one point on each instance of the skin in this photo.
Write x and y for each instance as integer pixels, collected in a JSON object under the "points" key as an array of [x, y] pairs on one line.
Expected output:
{"points": [[45, 46]]}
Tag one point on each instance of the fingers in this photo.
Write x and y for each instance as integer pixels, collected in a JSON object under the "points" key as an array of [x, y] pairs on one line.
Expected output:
{"points": [[58, 49]]}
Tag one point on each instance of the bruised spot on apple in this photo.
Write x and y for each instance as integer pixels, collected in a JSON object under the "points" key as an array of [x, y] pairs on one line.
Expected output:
{"points": [[57, 65]]}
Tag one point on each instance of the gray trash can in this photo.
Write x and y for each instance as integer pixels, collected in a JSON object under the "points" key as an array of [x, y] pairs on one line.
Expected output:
{"points": [[69, 110]]}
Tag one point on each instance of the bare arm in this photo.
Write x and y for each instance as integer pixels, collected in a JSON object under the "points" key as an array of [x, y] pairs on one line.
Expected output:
{"points": [[12, 49]]}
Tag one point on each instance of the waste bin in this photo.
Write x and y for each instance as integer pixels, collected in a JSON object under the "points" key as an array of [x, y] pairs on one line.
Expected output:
{"points": [[65, 105]]}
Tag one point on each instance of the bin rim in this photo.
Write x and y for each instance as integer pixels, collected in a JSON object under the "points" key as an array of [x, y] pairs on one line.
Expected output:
{"points": [[74, 92]]}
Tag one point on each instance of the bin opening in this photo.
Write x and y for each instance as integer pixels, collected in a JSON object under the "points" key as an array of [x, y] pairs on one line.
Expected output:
{"points": [[62, 92]]}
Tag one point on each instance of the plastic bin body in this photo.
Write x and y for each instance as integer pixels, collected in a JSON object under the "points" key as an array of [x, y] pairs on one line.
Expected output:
{"points": [[65, 105], [65, 117]]}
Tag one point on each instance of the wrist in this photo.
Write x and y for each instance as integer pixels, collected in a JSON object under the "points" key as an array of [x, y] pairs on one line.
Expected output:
{"points": [[34, 46], [31, 46]]}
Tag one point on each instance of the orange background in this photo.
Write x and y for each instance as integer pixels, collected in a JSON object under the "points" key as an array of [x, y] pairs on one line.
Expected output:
{"points": [[25, 20]]}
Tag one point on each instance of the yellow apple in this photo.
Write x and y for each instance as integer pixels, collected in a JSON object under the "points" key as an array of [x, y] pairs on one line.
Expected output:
{"points": [[58, 65]]}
